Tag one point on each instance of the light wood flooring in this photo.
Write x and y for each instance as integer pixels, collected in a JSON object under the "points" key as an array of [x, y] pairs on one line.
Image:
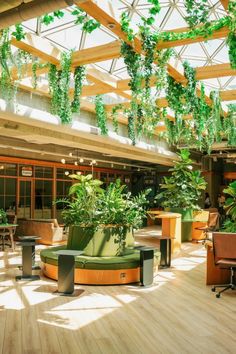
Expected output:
{"points": [[178, 314]]}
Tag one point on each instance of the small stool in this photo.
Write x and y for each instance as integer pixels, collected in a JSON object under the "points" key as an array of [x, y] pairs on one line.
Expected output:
{"points": [[146, 265], [28, 257], [66, 265]]}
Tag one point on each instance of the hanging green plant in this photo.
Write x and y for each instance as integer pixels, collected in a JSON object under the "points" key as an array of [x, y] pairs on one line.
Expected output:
{"points": [[101, 115], [229, 125], [216, 114], [59, 86], [114, 113], [49, 18], [131, 127], [7, 88], [19, 32], [198, 12], [65, 104], [231, 40], [125, 26], [79, 77], [88, 25]]}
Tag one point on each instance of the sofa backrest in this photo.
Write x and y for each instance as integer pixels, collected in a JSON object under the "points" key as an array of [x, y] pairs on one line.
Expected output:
{"points": [[53, 221]]}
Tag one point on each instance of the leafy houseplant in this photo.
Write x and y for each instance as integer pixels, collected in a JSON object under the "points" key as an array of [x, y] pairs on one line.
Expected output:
{"points": [[230, 207], [182, 190], [184, 187], [101, 221], [3, 217]]}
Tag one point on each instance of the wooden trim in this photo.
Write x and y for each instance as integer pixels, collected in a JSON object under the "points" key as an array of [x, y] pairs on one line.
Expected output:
{"points": [[229, 175], [22, 161], [96, 276]]}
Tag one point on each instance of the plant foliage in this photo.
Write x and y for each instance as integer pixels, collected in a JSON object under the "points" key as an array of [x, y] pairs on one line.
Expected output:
{"points": [[90, 205], [184, 187], [101, 115], [230, 207]]}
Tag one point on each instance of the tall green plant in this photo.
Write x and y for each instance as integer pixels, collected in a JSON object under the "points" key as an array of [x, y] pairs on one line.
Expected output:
{"points": [[184, 187], [230, 207], [91, 206]]}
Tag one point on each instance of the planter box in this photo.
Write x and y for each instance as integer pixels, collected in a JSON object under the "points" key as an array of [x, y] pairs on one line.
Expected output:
{"points": [[186, 223], [102, 242]]}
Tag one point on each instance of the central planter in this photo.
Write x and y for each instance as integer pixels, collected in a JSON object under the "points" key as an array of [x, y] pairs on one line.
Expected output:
{"points": [[186, 223], [104, 241]]}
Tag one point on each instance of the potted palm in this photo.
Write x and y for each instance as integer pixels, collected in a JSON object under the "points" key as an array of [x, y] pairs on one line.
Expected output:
{"points": [[182, 190], [101, 220], [230, 208]]}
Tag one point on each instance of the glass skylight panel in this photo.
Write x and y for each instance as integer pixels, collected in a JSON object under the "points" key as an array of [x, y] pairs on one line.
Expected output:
{"points": [[222, 55], [31, 24], [175, 20], [225, 81], [194, 50], [98, 37], [212, 83], [213, 45], [106, 65], [68, 38]]}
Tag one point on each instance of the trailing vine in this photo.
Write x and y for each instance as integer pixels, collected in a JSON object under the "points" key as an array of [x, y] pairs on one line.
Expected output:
{"points": [[114, 114], [65, 104], [131, 127], [101, 115], [79, 77], [231, 40], [88, 25], [19, 32], [229, 125], [198, 12]]}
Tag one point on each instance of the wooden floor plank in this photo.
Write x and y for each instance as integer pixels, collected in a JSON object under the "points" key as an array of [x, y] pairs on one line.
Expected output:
{"points": [[178, 314]]}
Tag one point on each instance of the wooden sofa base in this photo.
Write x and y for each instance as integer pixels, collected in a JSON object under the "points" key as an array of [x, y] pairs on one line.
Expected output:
{"points": [[96, 277]]}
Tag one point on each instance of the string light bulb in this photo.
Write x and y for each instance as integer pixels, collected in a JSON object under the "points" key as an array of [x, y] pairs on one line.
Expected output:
{"points": [[63, 161]]}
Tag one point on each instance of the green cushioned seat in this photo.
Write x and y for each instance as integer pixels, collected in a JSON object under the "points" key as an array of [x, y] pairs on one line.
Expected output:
{"points": [[101, 263]]}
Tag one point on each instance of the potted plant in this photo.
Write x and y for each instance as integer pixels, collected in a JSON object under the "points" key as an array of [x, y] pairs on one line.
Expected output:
{"points": [[3, 216], [182, 190], [101, 220], [230, 208]]}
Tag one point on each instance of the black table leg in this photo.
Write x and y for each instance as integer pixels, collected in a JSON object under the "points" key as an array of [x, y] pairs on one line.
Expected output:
{"points": [[165, 249], [66, 274]]}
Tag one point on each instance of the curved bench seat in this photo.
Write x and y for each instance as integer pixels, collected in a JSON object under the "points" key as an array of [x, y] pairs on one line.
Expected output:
{"points": [[98, 270]]}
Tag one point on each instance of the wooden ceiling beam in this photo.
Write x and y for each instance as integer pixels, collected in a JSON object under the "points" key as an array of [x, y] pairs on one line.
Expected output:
{"points": [[202, 73], [221, 33], [225, 4], [27, 71], [39, 47], [107, 19], [96, 54], [228, 95], [46, 51]]}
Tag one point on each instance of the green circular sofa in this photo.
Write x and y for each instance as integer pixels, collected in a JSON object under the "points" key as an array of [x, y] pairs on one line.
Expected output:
{"points": [[98, 270]]}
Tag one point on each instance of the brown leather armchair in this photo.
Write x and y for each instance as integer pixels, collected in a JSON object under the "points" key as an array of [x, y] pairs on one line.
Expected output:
{"points": [[224, 250], [212, 225]]}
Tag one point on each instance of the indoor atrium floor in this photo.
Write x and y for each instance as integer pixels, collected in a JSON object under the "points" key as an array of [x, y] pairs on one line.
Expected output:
{"points": [[178, 314]]}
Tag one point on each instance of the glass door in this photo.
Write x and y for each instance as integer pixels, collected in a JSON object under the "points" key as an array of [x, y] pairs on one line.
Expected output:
{"points": [[25, 199]]}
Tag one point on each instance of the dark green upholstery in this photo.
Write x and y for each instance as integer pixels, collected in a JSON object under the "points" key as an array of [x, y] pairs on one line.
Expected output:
{"points": [[100, 263], [102, 242]]}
